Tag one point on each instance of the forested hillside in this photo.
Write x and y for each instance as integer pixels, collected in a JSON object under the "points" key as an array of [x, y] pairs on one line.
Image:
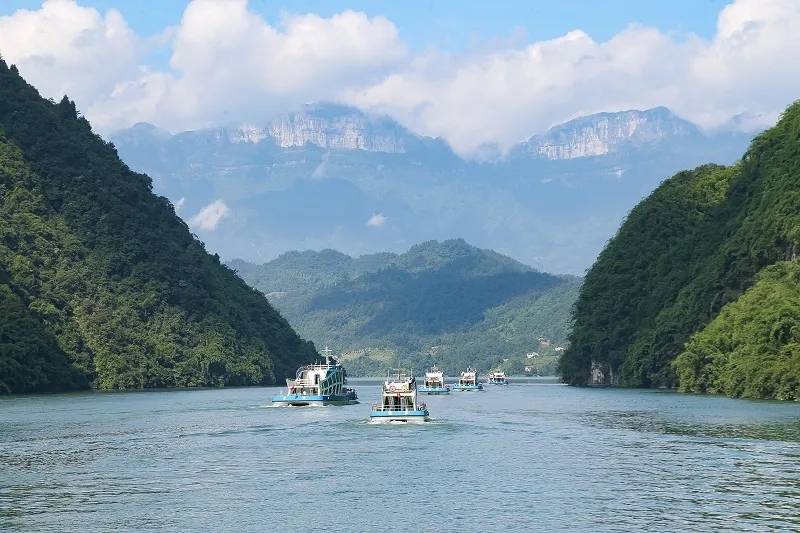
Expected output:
{"points": [[101, 284], [699, 287], [444, 302]]}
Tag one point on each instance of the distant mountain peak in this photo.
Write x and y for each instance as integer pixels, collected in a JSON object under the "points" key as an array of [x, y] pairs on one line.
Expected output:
{"points": [[336, 126], [604, 133]]}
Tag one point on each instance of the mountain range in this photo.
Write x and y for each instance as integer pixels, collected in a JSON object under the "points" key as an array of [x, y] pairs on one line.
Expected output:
{"points": [[447, 303], [332, 176]]}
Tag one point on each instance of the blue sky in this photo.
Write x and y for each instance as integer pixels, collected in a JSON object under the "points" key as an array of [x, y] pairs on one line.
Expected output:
{"points": [[452, 24], [482, 75]]}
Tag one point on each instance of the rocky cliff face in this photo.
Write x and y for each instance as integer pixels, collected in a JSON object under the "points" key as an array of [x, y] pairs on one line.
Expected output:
{"points": [[605, 133], [415, 187], [329, 126]]}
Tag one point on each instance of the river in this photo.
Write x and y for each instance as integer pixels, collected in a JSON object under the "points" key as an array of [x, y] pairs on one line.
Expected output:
{"points": [[531, 456]]}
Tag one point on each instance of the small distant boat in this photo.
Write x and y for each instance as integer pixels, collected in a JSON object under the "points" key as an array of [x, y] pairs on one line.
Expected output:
{"points": [[318, 384], [399, 400], [497, 377], [468, 381], [434, 382]]}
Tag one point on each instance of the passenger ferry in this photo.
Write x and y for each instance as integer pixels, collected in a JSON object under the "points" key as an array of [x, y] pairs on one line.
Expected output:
{"points": [[399, 400], [318, 384], [434, 382], [497, 377], [468, 381]]}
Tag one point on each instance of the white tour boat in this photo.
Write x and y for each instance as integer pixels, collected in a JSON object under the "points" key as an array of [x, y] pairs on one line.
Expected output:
{"points": [[399, 400], [318, 384], [434, 382], [468, 381], [497, 377]]}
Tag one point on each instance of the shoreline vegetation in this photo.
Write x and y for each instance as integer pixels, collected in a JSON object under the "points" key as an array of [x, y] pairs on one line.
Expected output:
{"points": [[102, 285], [700, 287]]}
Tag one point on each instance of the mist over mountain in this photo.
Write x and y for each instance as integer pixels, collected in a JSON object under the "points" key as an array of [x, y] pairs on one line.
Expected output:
{"points": [[331, 176]]}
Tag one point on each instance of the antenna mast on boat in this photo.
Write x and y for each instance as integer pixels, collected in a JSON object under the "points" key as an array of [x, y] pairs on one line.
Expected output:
{"points": [[327, 351]]}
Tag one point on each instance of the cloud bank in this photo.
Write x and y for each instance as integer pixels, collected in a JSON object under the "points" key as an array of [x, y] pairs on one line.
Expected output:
{"points": [[229, 65]]}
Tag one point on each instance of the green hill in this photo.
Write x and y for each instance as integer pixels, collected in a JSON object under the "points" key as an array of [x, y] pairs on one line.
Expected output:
{"points": [[699, 289], [444, 302], [101, 284]]}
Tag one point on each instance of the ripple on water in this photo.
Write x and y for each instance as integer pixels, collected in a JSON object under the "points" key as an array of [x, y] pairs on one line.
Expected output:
{"points": [[548, 457]]}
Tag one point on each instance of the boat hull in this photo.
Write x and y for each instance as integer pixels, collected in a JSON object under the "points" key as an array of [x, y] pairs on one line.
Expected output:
{"points": [[399, 417], [301, 400], [433, 390], [497, 382], [467, 388]]}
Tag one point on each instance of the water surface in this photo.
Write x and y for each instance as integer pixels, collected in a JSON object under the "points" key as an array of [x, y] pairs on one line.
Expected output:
{"points": [[536, 456]]}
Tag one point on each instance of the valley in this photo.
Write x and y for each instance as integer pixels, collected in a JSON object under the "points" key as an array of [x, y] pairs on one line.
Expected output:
{"points": [[446, 302]]}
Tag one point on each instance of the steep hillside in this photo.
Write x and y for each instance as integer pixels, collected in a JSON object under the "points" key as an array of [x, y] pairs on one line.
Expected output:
{"points": [[445, 302], [101, 283], [677, 271]]}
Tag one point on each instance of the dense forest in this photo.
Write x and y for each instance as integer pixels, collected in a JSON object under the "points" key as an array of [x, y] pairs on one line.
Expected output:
{"points": [[699, 288], [101, 284], [443, 302]]}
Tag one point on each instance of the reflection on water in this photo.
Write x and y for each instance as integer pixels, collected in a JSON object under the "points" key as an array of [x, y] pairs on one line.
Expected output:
{"points": [[648, 421], [539, 456]]}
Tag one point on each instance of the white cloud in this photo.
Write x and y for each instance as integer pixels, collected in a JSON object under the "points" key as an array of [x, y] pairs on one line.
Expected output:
{"points": [[505, 95], [63, 48], [179, 204], [378, 220], [230, 65], [210, 216]]}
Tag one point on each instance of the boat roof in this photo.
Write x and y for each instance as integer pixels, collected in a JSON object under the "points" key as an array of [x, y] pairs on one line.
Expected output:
{"points": [[399, 374]]}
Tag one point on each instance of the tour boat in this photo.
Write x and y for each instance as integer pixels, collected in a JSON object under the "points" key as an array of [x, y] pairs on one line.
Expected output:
{"points": [[399, 400], [497, 377], [434, 382], [468, 381], [318, 384]]}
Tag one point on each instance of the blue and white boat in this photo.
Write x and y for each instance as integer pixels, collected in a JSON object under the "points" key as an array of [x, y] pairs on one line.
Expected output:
{"points": [[468, 381], [434, 382], [318, 384], [398, 402], [497, 377]]}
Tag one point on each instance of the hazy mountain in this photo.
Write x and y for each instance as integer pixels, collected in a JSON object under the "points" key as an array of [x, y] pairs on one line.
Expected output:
{"points": [[339, 127], [604, 133], [330, 176], [444, 302]]}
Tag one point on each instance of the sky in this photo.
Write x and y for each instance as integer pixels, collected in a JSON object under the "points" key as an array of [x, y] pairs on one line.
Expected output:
{"points": [[478, 74]]}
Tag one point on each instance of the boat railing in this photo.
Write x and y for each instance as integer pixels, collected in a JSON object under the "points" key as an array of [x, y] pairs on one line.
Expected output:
{"points": [[317, 366], [381, 407]]}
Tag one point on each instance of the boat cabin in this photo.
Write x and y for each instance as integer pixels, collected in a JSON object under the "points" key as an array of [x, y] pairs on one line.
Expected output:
{"points": [[399, 392], [324, 379], [434, 378], [468, 377]]}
